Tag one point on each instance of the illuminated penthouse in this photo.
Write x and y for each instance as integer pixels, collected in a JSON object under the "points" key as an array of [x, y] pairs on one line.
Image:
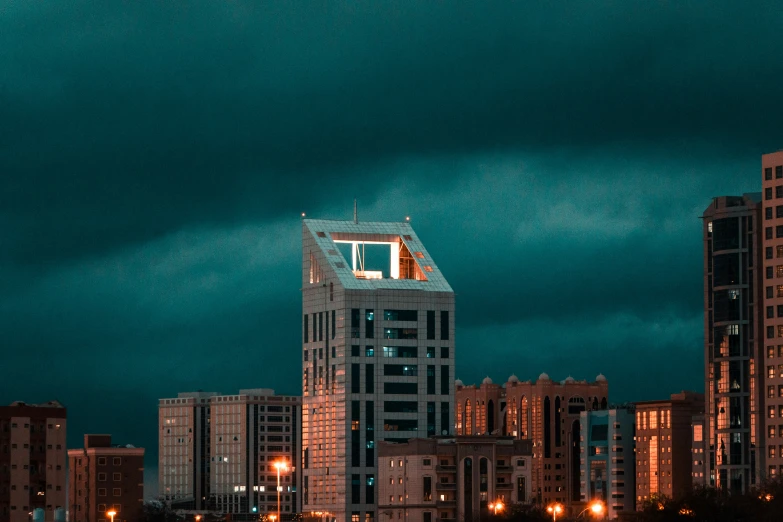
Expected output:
{"points": [[377, 359]]}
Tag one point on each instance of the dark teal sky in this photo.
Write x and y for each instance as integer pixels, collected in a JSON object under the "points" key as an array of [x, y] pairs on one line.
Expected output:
{"points": [[155, 158]]}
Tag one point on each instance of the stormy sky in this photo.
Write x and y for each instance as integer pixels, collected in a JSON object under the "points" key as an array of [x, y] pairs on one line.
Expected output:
{"points": [[155, 159]]}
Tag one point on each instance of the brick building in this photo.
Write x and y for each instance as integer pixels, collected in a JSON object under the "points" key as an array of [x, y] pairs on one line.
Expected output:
{"points": [[544, 411], [104, 477], [32, 460], [452, 478]]}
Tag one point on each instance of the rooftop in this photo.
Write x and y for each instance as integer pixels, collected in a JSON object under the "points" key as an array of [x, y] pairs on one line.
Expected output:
{"points": [[410, 265]]}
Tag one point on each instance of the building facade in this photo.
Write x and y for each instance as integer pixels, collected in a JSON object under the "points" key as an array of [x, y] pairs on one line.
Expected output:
{"points": [[377, 357], [105, 477], [452, 478], [32, 461], [607, 459], [544, 411], [235, 442], [699, 452], [733, 333], [663, 445], [772, 368]]}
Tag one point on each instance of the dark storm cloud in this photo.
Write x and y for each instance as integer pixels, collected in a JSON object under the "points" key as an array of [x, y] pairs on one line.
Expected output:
{"points": [[154, 159]]}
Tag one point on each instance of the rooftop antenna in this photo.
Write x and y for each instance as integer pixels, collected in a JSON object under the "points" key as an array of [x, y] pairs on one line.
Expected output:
{"points": [[355, 212]]}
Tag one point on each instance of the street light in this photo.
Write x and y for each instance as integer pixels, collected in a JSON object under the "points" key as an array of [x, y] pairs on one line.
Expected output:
{"points": [[555, 509], [279, 465], [111, 514], [597, 508], [198, 518], [497, 506]]}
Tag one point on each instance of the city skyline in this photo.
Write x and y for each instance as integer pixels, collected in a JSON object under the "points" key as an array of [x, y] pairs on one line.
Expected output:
{"points": [[555, 162]]}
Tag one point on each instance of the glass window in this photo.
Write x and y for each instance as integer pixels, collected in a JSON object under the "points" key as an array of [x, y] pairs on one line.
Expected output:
{"points": [[768, 173]]}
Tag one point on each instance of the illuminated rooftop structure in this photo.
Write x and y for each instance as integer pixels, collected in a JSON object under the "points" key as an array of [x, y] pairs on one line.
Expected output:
{"points": [[410, 266]]}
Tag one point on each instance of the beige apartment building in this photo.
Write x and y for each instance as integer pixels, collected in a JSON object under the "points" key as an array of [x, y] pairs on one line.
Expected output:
{"points": [[218, 452], [452, 478]]}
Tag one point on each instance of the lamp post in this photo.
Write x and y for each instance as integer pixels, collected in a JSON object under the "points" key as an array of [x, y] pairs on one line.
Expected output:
{"points": [[198, 518], [111, 514], [279, 465], [555, 509], [597, 508]]}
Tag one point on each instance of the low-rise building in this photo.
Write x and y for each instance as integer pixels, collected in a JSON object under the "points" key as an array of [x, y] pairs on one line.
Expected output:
{"points": [[607, 471], [103, 478], [452, 478]]}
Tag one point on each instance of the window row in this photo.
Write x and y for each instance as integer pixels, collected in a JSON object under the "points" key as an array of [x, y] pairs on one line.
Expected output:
{"points": [[768, 173]]}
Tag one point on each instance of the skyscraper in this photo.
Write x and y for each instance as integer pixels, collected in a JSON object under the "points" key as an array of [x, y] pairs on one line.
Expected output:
{"points": [[772, 184], [32, 461], [733, 339], [378, 357]]}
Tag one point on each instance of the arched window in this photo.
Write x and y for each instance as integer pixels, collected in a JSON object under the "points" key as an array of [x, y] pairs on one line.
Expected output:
{"points": [[491, 416], [460, 428], [576, 405], [603, 403], [468, 418], [524, 419]]}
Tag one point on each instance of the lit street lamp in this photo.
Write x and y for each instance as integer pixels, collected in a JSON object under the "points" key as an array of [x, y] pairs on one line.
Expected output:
{"points": [[111, 514], [597, 508], [497, 506], [279, 465], [555, 509]]}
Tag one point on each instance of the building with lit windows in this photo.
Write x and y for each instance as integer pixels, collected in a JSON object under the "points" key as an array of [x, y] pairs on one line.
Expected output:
{"points": [[663, 445], [452, 478], [772, 184], [699, 468], [546, 412], [32, 461], [733, 338], [105, 478], [607, 454], [377, 357], [218, 452]]}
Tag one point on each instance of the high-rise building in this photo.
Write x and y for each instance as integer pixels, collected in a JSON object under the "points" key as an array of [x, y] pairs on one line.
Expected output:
{"points": [[545, 411], [772, 366], [228, 447], [103, 478], [607, 467], [733, 338], [184, 450], [663, 445], [462, 478], [32, 461], [378, 356]]}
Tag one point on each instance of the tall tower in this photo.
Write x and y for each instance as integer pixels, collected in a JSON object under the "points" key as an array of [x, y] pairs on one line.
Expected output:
{"points": [[772, 182], [734, 340], [377, 358]]}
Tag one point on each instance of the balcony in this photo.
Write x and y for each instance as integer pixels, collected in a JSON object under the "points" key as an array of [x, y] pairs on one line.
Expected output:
{"points": [[449, 502], [504, 469], [446, 486], [447, 468], [504, 485]]}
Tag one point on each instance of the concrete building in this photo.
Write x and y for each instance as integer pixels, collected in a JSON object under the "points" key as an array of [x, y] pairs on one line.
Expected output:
{"points": [[105, 477], [607, 459], [377, 357], [227, 446], [544, 411], [772, 184], [699, 469], [32, 461], [663, 445], [452, 478], [733, 333]]}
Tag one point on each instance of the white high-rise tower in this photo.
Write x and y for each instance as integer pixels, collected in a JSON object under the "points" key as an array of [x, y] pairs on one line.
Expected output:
{"points": [[377, 358]]}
